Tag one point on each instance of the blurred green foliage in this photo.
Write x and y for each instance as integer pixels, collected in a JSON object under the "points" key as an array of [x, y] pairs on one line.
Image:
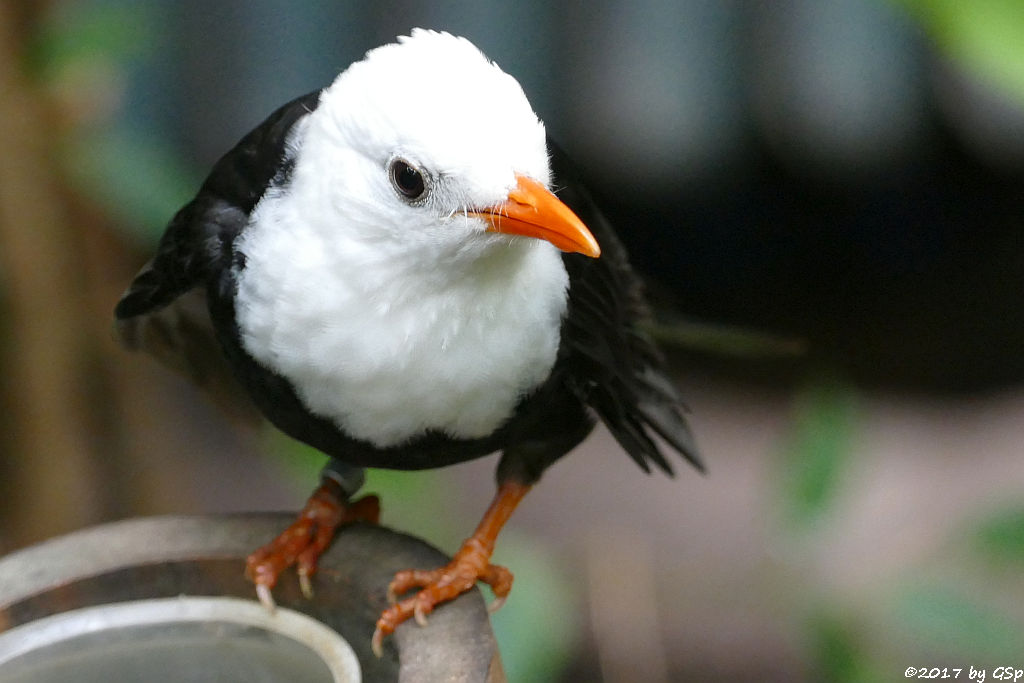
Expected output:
{"points": [[541, 624], [818, 450], [986, 36], [954, 608], [87, 53], [836, 649], [1000, 537], [955, 621], [83, 34], [137, 179]]}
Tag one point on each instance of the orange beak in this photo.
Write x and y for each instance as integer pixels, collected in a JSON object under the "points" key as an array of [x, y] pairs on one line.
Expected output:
{"points": [[533, 211]]}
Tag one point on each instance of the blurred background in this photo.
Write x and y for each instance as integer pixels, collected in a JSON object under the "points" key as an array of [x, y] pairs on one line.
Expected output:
{"points": [[827, 199]]}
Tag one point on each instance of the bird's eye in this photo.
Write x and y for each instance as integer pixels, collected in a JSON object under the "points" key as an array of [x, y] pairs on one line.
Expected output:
{"points": [[407, 179]]}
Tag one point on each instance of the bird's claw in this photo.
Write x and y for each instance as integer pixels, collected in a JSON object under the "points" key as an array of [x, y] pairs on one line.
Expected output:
{"points": [[439, 586], [496, 604], [377, 643], [304, 540], [266, 597], [386, 625], [305, 584]]}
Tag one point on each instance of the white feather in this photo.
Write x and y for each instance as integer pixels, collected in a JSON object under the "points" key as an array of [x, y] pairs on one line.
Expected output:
{"points": [[392, 318]]}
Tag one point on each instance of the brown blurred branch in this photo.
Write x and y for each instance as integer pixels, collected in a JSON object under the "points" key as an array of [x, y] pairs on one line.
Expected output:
{"points": [[50, 481]]}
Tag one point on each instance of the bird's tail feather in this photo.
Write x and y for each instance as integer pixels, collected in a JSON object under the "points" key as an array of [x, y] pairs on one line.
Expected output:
{"points": [[665, 420]]}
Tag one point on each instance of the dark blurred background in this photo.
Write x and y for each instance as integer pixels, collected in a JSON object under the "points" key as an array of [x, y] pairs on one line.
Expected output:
{"points": [[827, 199]]}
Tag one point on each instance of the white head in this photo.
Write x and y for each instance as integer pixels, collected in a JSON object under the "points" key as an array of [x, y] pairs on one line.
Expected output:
{"points": [[418, 144]]}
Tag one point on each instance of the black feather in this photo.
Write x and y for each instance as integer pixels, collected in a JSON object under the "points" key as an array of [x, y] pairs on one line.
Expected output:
{"points": [[192, 249], [617, 370]]}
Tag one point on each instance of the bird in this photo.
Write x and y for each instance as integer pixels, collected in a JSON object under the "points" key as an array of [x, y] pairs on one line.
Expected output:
{"points": [[383, 271]]}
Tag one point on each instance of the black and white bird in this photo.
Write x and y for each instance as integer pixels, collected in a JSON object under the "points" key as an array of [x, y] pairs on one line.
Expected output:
{"points": [[382, 269]]}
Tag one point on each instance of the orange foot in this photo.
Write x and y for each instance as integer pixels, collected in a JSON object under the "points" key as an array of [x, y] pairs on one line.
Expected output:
{"points": [[306, 538], [471, 564]]}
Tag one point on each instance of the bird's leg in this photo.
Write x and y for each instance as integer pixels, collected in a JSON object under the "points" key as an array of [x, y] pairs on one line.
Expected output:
{"points": [[308, 536], [471, 563]]}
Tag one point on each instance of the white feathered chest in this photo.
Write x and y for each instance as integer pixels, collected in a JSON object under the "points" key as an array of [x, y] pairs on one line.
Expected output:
{"points": [[386, 346]]}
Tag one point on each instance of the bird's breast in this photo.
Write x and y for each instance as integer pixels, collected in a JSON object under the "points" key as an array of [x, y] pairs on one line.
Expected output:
{"points": [[387, 356]]}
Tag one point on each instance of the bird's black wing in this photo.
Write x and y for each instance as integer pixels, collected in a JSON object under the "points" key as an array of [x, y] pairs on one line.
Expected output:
{"points": [[611, 363], [164, 310]]}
